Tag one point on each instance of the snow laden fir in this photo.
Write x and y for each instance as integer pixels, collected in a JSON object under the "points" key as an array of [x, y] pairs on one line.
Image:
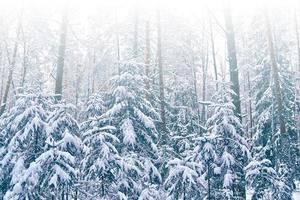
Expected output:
{"points": [[116, 149]]}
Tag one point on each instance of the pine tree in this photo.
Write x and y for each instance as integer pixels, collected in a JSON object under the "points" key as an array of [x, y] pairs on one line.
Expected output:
{"points": [[205, 154], [222, 150], [47, 176], [280, 149], [23, 135], [134, 119], [183, 180], [64, 132], [263, 178], [95, 106], [101, 162]]}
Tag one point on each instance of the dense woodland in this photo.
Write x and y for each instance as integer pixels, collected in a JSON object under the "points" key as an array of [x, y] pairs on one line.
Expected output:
{"points": [[139, 101]]}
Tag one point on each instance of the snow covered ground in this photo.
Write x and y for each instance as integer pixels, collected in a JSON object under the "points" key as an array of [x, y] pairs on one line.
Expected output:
{"points": [[296, 195]]}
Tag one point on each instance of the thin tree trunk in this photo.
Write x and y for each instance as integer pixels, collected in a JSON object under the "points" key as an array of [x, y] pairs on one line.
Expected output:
{"points": [[250, 104], [77, 90], [275, 74], [196, 104], [213, 53], [135, 33], [11, 70], [234, 73], [117, 42], [161, 81], [204, 73], [147, 60], [94, 71], [24, 64], [298, 41], [61, 56]]}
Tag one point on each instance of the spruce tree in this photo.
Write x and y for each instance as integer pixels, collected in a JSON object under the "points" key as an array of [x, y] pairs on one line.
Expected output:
{"points": [[23, 133], [134, 119]]}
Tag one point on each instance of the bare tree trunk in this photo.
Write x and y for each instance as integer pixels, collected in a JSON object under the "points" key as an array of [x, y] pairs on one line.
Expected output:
{"points": [[239, 188], [196, 104], [117, 41], [161, 82], [275, 74], [24, 63], [61, 56], [298, 40], [12, 64], [234, 73], [213, 53], [204, 73], [250, 104], [94, 71], [135, 33], [77, 90], [147, 60]]}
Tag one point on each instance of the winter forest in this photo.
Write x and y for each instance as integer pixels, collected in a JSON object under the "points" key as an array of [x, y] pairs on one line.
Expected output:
{"points": [[149, 100]]}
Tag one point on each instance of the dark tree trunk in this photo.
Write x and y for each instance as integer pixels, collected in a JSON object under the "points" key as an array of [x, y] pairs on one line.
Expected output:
{"points": [[240, 187], [213, 53], [24, 63], [250, 104], [204, 73], [234, 73], [61, 56]]}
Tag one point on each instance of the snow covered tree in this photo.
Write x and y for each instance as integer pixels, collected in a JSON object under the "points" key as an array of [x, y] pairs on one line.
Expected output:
{"points": [[280, 149], [23, 136], [95, 106], [222, 150], [100, 165], [134, 119], [183, 180], [264, 180], [205, 154], [47, 176], [63, 129]]}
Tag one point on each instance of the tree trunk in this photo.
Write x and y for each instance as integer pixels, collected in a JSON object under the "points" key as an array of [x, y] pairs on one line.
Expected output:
{"points": [[12, 64], [135, 32], [77, 90], [61, 56], [234, 73], [94, 71], [204, 73], [196, 104], [213, 53], [298, 41], [117, 42], [147, 60], [275, 74], [24, 62], [161, 82], [250, 104]]}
